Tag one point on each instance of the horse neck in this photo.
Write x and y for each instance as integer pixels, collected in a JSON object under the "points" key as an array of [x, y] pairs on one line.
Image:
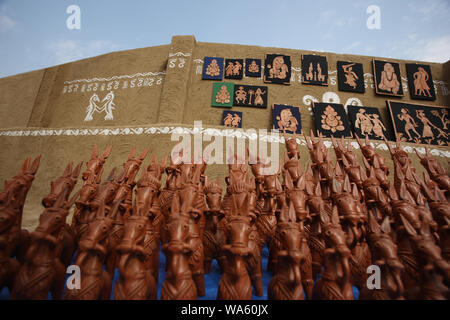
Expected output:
{"points": [[134, 267], [89, 262], [237, 265], [42, 253], [178, 264]]}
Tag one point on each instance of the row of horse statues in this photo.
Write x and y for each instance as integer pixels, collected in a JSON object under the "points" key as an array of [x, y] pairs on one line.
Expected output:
{"points": [[328, 220]]}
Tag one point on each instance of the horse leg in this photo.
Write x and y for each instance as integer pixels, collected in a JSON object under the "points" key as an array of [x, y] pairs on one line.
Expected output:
{"points": [[105, 292], [58, 283]]}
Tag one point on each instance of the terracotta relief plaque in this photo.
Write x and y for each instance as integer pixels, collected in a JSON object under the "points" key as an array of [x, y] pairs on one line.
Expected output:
{"points": [[314, 70], [420, 82], [277, 69], [420, 123], [331, 119], [367, 121], [250, 96], [388, 80], [286, 118], [253, 67], [350, 76], [234, 69], [212, 68], [232, 119], [222, 95]]}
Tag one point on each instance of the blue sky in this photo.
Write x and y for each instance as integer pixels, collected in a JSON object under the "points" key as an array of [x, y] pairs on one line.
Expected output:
{"points": [[33, 34]]}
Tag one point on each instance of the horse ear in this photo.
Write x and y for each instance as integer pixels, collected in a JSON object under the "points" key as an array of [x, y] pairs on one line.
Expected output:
{"points": [[71, 202], [419, 154], [77, 170], [334, 143], [107, 152], [397, 143], [420, 199], [35, 165], [335, 216], [164, 161], [288, 181], [392, 192], [439, 195], [318, 190], [301, 183], [345, 162], [115, 210], [324, 217], [68, 171], [389, 146], [112, 174], [366, 163], [337, 169], [336, 186], [94, 153], [408, 174], [347, 187], [408, 227], [144, 154], [363, 174], [308, 142], [404, 193], [358, 140], [355, 192], [386, 225], [132, 153], [368, 142], [349, 146], [374, 227], [25, 166]]}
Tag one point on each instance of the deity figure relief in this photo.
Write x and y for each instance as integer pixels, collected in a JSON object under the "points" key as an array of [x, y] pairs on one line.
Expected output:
{"points": [[237, 68], [223, 96], [227, 121], [331, 120], [350, 75], [320, 76], [236, 120], [420, 82], [279, 69], [286, 121], [389, 81], [363, 122], [229, 69], [213, 70], [258, 99], [427, 124], [241, 95], [378, 126], [309, 75], [253, 67], [410, 124]]}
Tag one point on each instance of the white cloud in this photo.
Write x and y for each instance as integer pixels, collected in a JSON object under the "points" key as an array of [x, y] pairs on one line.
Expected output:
{"points": [[70, 50], [6, 23], [434, 50]]}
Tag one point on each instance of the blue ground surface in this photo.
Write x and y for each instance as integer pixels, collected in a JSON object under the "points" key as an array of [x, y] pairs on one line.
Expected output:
{"points": [[211, 280]]}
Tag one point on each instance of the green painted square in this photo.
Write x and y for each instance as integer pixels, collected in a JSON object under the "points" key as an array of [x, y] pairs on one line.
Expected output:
{"points": [[223, 94]]}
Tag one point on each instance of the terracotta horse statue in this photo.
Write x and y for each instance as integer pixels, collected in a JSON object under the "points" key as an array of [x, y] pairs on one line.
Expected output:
{"points": [[67, 180], [214, 235], [434, 270], [354, 216], [235, 283], [286, 284], [94, 167], [16, 189], [42, 271], [96, 282], [384, 255], [370, 155], [435, 170], [136, 281], [335, 283], [178, 283], [316, 204], [8, 217]]}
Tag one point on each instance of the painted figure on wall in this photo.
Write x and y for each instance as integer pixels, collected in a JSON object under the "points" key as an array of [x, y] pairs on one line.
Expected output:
{"points": [[241, 95], [223, 96], [258, 99], [213, 70], [427, 125], [389, 81], [331, 120], [253, 67], [350, 75], [410, 124], [378, 126], [286, 121], [279, 69], [363, 121], [420, 82]]}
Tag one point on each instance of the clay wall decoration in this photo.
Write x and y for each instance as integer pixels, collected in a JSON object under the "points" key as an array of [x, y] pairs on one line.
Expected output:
{"points": [[253, 68], [315, 70], [277, 69], [331, 120], [222, 94], [232, 119], [286, 118], [420, 82], [367, 121], [234, 69], [350, 76], [387, 77], [420, 123], [212, 68], [250, 96]]}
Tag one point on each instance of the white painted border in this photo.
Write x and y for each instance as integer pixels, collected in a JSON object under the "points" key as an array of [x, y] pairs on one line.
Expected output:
{"points": [[139, 74], [237, 133]]}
